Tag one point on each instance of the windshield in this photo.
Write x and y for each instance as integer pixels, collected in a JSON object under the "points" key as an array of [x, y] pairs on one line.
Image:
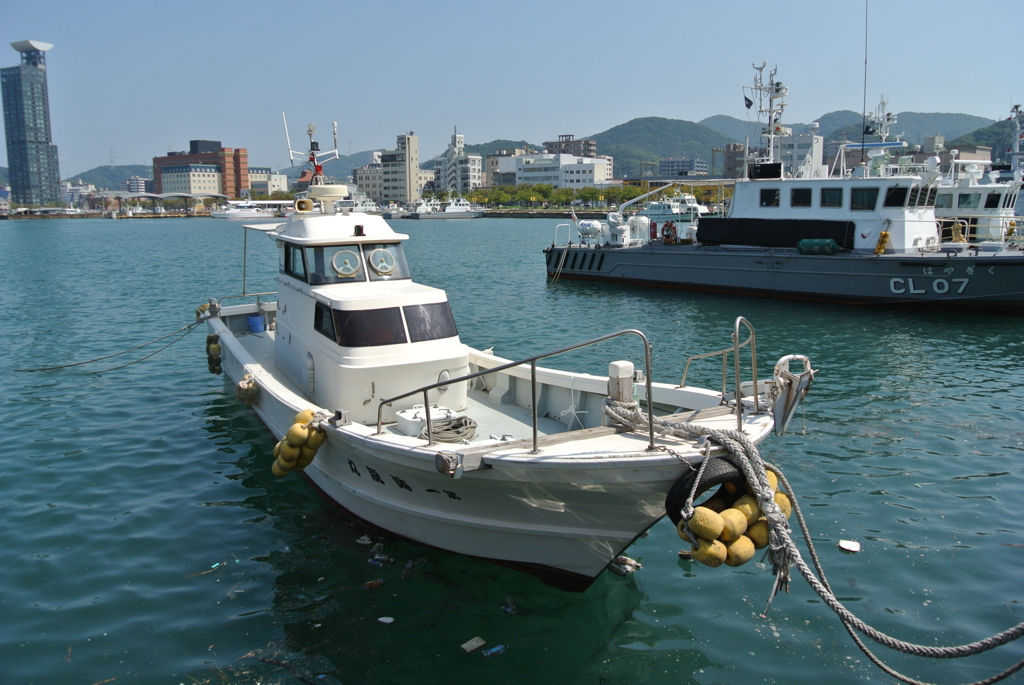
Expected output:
{"points": [[354, 263]]}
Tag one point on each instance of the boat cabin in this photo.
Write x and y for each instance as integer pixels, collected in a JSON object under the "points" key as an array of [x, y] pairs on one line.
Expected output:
{"points": [[352, 326]]}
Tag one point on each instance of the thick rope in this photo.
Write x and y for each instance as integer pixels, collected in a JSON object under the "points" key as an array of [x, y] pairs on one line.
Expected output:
{"points": [[783, 552], [187, 329], [458, 429]]}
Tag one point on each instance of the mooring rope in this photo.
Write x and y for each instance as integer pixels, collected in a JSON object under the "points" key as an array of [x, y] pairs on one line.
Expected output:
{"points": [[188, 329], [783, 552]]}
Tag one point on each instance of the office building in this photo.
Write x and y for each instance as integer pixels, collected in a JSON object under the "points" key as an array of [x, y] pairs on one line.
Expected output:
{"points": [[232, 166], [682, 167], [458, 172], [568, 145], [31, 154]]}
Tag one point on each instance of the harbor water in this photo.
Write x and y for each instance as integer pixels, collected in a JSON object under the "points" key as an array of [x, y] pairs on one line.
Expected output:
{"points": [[145, 540]]}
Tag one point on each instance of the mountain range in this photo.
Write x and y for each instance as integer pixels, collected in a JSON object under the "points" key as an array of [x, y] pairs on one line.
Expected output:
{"points": [[649, 139]]}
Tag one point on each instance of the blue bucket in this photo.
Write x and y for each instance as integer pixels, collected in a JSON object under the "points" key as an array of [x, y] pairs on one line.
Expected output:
{"points": [[257, 324]]}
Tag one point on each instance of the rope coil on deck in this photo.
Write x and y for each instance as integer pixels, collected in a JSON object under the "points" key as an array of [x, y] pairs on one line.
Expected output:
{"points": [[783, 552]]}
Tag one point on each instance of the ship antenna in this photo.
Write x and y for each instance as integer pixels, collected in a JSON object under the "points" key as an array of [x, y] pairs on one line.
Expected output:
{"points": [[288, 140], [864, 104]]}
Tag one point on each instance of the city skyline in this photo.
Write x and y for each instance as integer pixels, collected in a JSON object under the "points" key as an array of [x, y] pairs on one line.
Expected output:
{"points": [[131, 82]]}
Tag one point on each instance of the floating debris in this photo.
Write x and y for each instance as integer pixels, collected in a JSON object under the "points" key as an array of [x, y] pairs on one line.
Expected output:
{"points": [[494, 651], [386, 619], [473, 645], [849, 546], [510, 607]]}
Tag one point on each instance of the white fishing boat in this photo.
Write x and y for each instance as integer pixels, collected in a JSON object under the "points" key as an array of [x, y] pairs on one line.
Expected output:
{"points": [[867, 235], [243, 210], [458, 208], [553, 471]]}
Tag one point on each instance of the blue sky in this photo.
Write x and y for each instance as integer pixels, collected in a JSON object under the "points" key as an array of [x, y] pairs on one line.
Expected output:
{"points": [[129, 81]]}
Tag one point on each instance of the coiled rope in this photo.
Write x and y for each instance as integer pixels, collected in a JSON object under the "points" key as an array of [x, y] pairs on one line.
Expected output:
{"points": [[783, 552], [188, 329], [458, 429]]}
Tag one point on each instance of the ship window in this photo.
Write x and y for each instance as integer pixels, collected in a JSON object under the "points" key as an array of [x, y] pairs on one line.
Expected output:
{"points": [[863, 199], [992, 200], [334, 264], [323, 322], [895, 196], [831, 197], [931, 196], [385, 262], [944, 201], [800, 197], [430, 321], [294, 265], [915, 193], [369, 327], [968, 200], [769, 197]]}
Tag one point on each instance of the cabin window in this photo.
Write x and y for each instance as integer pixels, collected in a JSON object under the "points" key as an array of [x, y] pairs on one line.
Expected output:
{"points": [[323, 322], [294, 265], [335, 264], [769, 197], [385, 261], [895, 196], [430, 321], [992, 200], [968, 200], [931, 197], [831, 197], [800, 197], [369, 327], [915, 194], [1011, 200], [944, 201], [863, 199]]}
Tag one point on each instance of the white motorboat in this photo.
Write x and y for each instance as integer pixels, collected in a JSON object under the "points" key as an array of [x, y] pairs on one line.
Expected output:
{"points": [[243, 210], [458, 208], [674, 217], [358, 204], [460, 448]]}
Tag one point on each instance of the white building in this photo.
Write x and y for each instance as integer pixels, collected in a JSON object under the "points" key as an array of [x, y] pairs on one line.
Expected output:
{"points": [[683, 167], [369, 180], [400, 172], [795, 151], [458, 172], [558, 170], [195, 179], [263, 181]]}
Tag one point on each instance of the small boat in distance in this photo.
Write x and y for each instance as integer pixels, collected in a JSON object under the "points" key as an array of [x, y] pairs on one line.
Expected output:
{"points": [[457, 208], [458, 448], [243, 210]]}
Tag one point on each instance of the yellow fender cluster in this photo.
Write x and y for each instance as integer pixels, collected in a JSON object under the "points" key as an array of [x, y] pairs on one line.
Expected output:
{"points": [[729, 527], [883, 238], [298, 447], [213, 353], [247, 391]]}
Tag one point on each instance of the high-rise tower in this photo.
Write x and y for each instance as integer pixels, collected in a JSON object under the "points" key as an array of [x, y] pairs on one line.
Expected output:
{"points": [[31, 156]]}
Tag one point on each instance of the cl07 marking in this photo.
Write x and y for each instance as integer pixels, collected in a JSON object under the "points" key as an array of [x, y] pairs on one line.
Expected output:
{"points": [[940, 286]]}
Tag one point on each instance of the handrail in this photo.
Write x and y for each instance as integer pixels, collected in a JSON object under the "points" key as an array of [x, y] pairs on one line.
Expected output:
{"points": [[533, 385], [735, 349]]}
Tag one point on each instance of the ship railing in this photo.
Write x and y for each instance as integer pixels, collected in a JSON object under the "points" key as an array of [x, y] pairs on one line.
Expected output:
{"points": [[532, 361], [751, 341]]}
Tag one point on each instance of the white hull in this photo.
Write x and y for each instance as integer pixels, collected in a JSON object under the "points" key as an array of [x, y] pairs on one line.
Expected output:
{"points": [[567, 511]]}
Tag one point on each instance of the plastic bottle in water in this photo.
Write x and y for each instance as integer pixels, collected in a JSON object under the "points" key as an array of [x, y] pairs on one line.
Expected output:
{"points": [[494, 651]]}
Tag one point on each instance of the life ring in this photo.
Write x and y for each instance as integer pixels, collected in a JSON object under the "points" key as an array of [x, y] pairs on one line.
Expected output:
{"points": [[668, 232], [719, 471], [383, 263], [347, 268]]}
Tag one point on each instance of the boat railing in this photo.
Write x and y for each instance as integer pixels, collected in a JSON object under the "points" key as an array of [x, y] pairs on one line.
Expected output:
{"points": [[735, 351], [256, 295], [532, 361]]}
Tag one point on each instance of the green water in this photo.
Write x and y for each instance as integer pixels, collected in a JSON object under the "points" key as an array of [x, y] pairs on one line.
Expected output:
{"points": [[144, 539]]}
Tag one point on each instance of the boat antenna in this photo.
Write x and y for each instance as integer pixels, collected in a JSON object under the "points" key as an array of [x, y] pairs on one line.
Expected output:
{"points": [[864, 103], [288, 140]]}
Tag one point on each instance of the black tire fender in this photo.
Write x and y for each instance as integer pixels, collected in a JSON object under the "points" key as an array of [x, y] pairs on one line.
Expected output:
{"points": [[718, 471]]}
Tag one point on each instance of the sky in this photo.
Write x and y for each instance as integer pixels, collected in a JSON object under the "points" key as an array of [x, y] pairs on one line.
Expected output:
{"points": [[132, 80]]}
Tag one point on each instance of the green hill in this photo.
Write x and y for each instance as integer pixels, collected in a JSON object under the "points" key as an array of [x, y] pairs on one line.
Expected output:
{"points": [[650, 139], [111, 177], [998, 136]]}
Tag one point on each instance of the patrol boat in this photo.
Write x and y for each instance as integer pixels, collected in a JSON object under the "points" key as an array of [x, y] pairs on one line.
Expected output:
{"points": [[869, 235], [361, 373]]}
